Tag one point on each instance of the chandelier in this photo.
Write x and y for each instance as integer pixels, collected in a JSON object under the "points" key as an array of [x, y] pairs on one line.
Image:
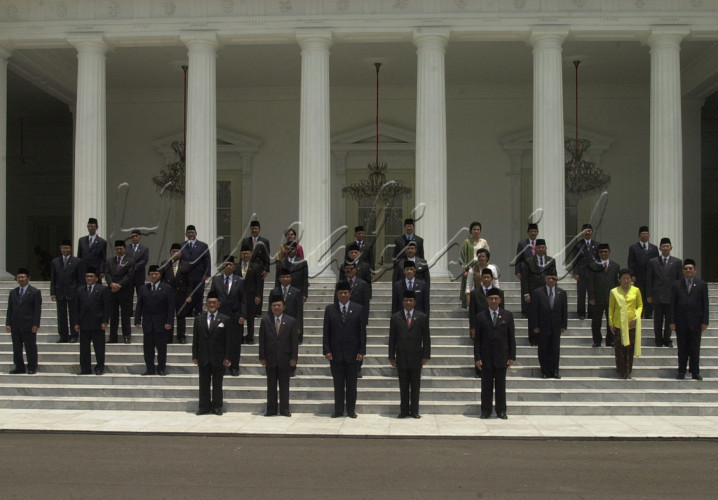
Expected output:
{"points": [[172, 177], [582, 176]]}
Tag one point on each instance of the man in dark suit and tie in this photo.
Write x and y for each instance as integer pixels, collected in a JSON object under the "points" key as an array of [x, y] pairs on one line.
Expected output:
{"points": [[549, 317], [229, 289], [360, 293], [639, 255], [24, 306], [532, 277], [211, 345], [196, 254], [293, 300], [344, 344], [66, 274], [366, 250], [494, 353], [175, 272], [602, 278], [689, 308], [364, 271], [298, 268], [663, 271], [140, 254], [409, 350], [478, 303], [251, 273], [155, 315], [120, 277], [583, 253], [524, 251], [420, 289], [93, 315], [91, 249], [401, 241], [278, 353], [420, 265], [259, 246]]}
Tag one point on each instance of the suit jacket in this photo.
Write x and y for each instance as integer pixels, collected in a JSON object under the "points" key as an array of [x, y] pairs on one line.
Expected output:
{"points": [[300, 274], [124, 276], [494, 345], [601, 282], [199, 260], [532, 276], [401, 241], [523, 253], [638, 259], [211, 344], [141, 256], [478, 303], [408, 345], [690, 310], [367, 255], [234, 304], [344, 340], [65, 280], [549, 319], [659, 280], [92, 256], [581, 255], [278, 348], [260, 252], [93, 309], [180, 283], [421, 289], [363, 273], [23, 314], [153, 312], [293, 304], [422, 269]]}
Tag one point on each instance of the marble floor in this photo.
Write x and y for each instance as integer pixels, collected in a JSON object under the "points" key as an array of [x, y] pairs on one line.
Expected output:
{"points": [[305, 424]]}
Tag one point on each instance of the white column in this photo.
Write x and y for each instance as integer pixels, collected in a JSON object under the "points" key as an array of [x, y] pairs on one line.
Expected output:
{"points": [[431, 149], [314, 153], [90, 175], [548, 138], [666, 157], [201, 148], [4, 55]]}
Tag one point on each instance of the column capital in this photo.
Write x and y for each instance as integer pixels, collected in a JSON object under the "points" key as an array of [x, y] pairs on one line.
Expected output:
{"points": [[314, 40], [666, 37], [200, 41], [547, 36], [90, 43], [431, 39]]}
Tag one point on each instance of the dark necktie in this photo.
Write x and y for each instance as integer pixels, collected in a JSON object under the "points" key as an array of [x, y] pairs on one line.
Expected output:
{"points": [[494, 316], [645, 246], [411, 285], [89, 289], [226, 284], [277, 324], [550, 297], [344, 313], [64, 265], [119, 261], [211, 318], [22, 293], [154, 289], [284, 293], [408, 319], [665, 262]]}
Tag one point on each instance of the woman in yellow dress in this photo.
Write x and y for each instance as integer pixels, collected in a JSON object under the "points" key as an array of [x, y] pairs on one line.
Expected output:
{"points": [[468, 255], [625, 306]]}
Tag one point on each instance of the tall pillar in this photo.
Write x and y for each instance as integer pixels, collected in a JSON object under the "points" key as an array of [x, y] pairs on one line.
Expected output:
{"points": [[431, 148], [4, 55], [314, 153], [201, 147], [666, 157], [90, 173], [548, 139]]}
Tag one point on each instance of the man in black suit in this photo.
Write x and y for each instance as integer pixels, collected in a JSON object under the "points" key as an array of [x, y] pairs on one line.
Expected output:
{"points": [[344, 344], [639, 255], [583, 253], [229, 289], [175, 272], [365, 248], [524, 251], [420, 265], [259, 246], [251, 273], [401, 241], [93, 315], [494, 353], [602, 278], [120, 277], [278, 353], [196, 254], [211, 345], [298, 268], [155, 314], [360, 293], [420, 288], [549, 317], [24, 306], [91, 249], [66, 274], [409, 350], [364, 271], [532, 278], [140, 254], [663, 271], [689, 309], [293, 300], [478, 303]]}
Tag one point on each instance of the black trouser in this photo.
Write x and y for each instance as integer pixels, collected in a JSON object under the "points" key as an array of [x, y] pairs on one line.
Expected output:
{"points": [[210, 374], [689, 348], [533, 337], [409, 389], [345, 385], [493, 378], [277, 374], [237, 333], [581, 291], [183, 309], [549, 349], [29, 341], [156, 339], [597, 313], [97, 338], [195, 307], [252, 310], [121, 310], [63, 306], [662, 324]]}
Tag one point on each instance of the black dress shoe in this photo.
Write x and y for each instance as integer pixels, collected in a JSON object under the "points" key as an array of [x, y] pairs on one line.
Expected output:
{"points": [[696, 376], [16, 371], [113, 340], [669, 344], [33, 372], [74, 340], [217, 411], [581, 317], [83, 372], [234, 372], [352, 415], [202, 412], [161, 372], [681, 376], [403, 415], [337, 415], [270, 414], [248, 340], [293, 371], [596, 345], [127, 340], [359, 374], [415, 415], [502, 415], [484, 416], [147, 372], [285, 413], [99, 370], [544, 375], [62, 341], [556, 375], [182, 340]]}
